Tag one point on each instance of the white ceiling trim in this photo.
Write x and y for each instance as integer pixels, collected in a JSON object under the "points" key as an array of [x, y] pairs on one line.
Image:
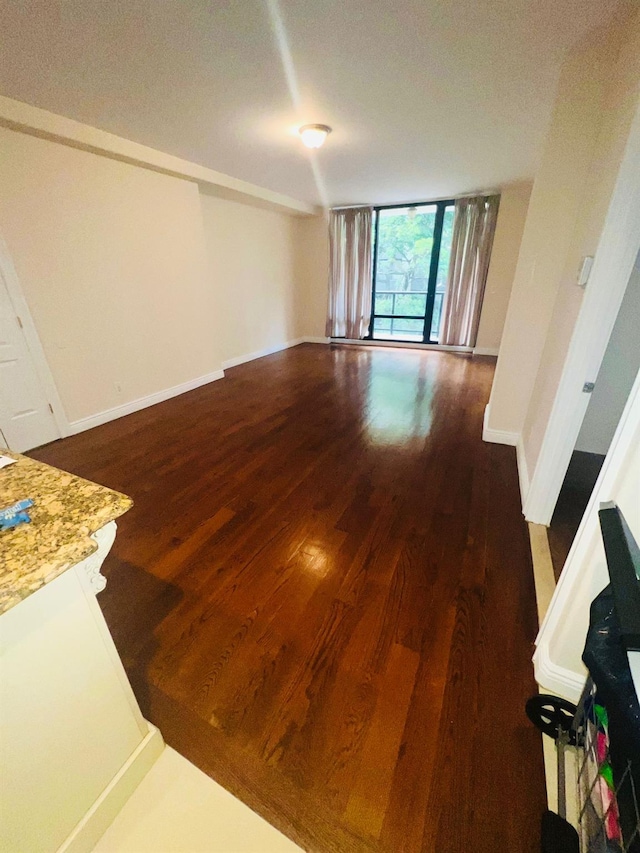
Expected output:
{"points": [[25, 118]]}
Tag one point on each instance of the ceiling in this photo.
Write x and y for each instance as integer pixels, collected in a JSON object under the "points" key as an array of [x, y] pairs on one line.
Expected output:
{"points": [[427, 98]]}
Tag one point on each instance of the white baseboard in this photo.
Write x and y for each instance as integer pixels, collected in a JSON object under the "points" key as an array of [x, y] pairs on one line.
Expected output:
{"points": [[74, 427], [260, 353], [497, 436], [553, 678], [100, 816], [513, 439], [141, 403], [485, 351], [523, 470]]}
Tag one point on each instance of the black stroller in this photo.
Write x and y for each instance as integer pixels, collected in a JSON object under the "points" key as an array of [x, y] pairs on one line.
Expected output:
{"points": [[605, 726]]}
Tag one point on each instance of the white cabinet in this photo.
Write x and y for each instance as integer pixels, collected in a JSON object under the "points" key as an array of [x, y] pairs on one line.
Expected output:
{"points": [[73, 742]]}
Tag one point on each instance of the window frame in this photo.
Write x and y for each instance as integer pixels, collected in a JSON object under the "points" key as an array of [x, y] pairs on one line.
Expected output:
{"points": [[441, 206]]}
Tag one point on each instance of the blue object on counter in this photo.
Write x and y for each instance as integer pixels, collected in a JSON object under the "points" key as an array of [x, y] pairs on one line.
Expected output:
{"points": [[14, 515]]}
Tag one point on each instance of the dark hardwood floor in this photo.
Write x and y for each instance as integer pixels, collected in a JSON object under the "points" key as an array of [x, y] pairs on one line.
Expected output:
{"points": [[324, 598], [576, 490]]}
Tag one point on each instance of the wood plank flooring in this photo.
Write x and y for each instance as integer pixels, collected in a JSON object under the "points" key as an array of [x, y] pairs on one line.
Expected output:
{"points": [[323, 596]]}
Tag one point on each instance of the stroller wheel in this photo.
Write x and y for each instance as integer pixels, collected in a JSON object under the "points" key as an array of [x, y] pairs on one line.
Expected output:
{"points": [[552, 715]]}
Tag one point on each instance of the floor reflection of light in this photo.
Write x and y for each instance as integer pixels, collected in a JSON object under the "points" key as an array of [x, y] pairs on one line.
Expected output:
{"points": [[314, 559], [398, 403]]}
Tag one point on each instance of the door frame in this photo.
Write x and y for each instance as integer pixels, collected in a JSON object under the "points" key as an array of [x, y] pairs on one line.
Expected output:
{"points": [[16, 297], [583, 576], [612, 266]]}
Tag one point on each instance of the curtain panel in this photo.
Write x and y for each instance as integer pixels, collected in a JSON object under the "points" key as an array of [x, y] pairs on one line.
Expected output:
{"points": [[349, 272], [473, 229]]}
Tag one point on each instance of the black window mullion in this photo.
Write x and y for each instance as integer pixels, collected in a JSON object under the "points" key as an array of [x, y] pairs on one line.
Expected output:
{"points": [[400, 316], [369, 337], [433, 272]]}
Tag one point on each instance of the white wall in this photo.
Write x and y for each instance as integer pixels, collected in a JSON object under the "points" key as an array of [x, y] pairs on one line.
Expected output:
{"points": [[312, 274], [559, 193], [618, 107], [111, 259], [595, 105], [514, 203], [617, 373], [251, 271], [139, 281]]}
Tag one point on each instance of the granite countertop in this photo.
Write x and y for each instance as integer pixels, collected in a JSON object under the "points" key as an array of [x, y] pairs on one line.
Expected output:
{"points": [[66, 511]]}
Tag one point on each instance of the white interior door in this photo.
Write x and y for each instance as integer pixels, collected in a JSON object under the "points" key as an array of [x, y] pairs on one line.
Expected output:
{"points": [[26, 419]]}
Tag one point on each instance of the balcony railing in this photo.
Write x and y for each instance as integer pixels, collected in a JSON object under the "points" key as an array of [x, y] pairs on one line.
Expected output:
{"points": [[408, 326]]}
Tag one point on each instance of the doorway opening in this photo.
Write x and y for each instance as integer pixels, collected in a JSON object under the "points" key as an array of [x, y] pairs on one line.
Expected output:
{"points": [[613, 385], [411, 254]]}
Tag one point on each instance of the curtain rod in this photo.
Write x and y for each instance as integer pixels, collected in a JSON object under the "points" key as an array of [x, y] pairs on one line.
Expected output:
{"points": [[418, 203]]}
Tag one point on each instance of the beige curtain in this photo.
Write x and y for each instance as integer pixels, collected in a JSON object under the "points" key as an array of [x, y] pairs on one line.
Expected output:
{"points": [[473, 229], [349, 272]]}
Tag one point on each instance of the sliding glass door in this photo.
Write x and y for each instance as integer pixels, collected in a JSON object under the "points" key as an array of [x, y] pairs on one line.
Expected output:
{"points": [[411, 251]]}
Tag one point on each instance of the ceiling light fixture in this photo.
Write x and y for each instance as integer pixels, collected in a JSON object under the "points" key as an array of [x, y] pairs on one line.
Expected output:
{"points": [[314, 135]]}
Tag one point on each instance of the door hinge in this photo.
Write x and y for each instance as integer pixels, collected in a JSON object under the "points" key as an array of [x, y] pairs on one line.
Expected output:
{"points": [[19, 322], [588, 387]]}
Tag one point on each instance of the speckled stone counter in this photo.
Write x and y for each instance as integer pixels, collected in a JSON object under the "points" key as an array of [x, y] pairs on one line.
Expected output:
{"points": [[66, 511]]}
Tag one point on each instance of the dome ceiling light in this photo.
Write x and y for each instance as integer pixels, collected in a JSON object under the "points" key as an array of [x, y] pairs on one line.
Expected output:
{"points": [[314, 135]]}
